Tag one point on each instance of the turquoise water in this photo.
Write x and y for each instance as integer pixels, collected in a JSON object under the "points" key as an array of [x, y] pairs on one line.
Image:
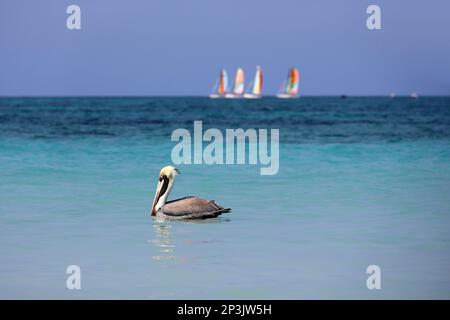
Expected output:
{"points": [[362, 181]]}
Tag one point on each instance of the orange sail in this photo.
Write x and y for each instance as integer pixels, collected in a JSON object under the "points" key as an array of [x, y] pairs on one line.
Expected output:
{"points": [[223, 82], [293, 80]]}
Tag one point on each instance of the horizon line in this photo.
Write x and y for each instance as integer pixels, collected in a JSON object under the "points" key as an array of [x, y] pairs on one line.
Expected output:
{"points": [[206, 96]]}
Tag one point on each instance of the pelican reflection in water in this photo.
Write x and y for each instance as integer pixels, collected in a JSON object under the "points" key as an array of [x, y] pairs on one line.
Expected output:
{"points": [[164, 242], [187, 208]]}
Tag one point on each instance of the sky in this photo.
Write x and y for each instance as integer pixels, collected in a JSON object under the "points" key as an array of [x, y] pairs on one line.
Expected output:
{"points": [[177, 47]]}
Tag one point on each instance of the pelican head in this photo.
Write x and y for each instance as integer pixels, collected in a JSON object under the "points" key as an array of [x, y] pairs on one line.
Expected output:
{"points": [[165, 183]]}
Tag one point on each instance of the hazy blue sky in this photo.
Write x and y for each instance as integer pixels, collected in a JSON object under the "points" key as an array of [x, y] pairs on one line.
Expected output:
{"points": [[165, 47]]}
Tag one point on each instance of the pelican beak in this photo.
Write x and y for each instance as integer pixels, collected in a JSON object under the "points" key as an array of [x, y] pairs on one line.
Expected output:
{"points": [[157, 196], [163, 184]]}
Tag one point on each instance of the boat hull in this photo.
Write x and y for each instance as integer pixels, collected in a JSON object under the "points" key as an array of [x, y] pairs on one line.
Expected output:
{"points": [[286, 96], [233, 96], [251, 96], [216, 96]]}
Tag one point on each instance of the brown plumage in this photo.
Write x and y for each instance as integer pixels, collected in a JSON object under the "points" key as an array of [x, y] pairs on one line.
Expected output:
{"points": [[192, 208]]}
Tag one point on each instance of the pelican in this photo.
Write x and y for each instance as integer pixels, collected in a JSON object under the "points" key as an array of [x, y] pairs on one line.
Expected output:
{"points": [[184, 208]]}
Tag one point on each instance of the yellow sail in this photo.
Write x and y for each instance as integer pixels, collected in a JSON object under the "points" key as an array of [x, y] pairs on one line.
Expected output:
{"points": [[257, 83]]}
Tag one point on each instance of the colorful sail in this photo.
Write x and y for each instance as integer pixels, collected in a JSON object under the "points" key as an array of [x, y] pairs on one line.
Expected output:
{"points": [[292, 82], [223, 82], [239, 82], [257, 83]]}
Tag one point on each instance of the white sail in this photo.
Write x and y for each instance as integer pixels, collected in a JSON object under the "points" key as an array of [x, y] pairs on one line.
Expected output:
{"points": [[257, 85]]}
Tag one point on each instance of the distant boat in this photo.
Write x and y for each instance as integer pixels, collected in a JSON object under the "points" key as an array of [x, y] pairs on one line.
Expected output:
{"points": [[290, 86], [392, 95], [414, 95], [257, 85], [238, 85], [220, 88]]}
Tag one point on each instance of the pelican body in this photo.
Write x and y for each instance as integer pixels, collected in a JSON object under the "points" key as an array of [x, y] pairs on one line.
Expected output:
{"points": [[186, 208]]}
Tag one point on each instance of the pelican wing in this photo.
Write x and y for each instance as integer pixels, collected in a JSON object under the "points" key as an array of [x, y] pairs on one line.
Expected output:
{"points": [[193, 208]]}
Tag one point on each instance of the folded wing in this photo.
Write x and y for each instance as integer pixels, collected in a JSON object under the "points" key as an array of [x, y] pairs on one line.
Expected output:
{"points": [[193, 208]]}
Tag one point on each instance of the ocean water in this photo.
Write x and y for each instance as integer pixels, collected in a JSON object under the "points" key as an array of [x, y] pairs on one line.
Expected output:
{"points": [[362, 181]]}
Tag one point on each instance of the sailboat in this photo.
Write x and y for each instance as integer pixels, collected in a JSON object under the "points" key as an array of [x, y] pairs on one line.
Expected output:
{"points": [[257, 85], [238, 85], [290, 86], [220, 88]]}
